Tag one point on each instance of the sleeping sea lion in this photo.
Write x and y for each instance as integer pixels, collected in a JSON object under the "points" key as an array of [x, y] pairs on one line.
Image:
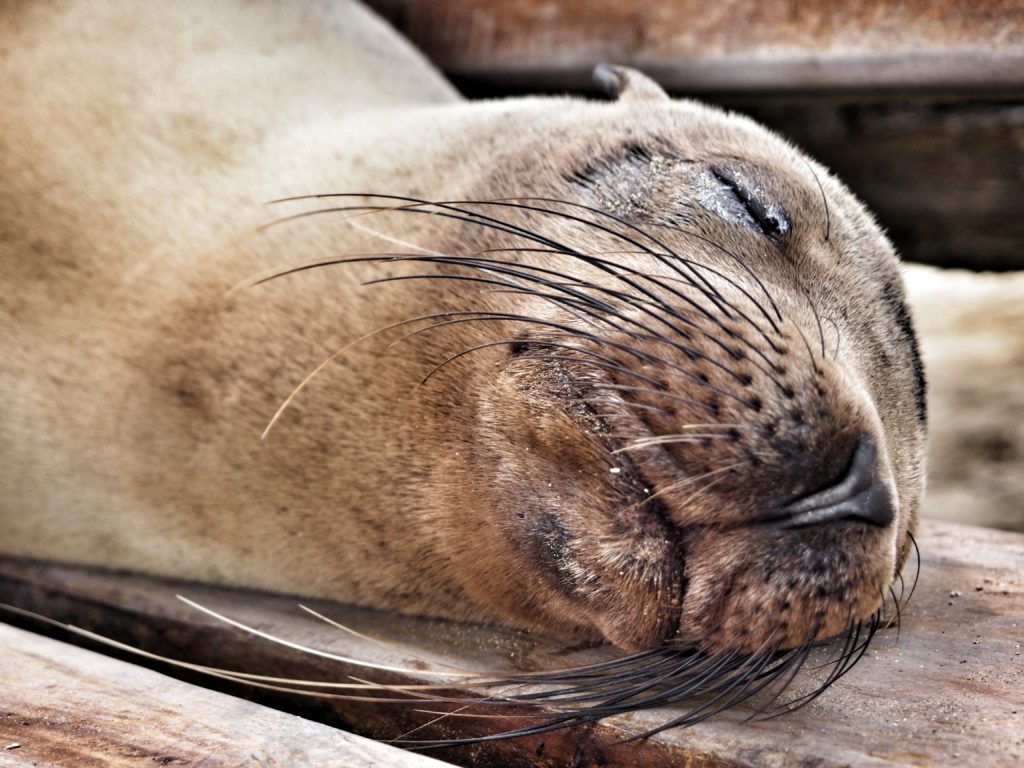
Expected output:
{"points": [[634, 370]]}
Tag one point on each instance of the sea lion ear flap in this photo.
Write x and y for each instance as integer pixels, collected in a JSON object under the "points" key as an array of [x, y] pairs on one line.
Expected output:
{"points": [[627, 84]]}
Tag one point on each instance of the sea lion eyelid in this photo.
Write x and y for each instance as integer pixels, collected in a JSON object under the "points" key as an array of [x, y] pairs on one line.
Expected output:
{"points": [[767, 217]]}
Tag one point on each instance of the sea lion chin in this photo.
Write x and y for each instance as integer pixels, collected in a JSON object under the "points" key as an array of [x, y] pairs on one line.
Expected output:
{"points": [[636, 370]]}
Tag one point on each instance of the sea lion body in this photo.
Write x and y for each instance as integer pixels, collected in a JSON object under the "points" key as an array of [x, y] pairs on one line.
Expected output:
{"points": [[705, 329]]}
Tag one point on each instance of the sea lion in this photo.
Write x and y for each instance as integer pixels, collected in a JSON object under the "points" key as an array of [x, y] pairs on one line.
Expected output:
{"points": [[635, 370]]}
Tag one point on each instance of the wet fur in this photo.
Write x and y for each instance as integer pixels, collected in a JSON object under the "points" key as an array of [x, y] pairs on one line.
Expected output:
{"points": [[629, 269]]}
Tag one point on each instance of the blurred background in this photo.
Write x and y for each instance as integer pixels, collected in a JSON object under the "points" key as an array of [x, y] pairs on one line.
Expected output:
{"points": [[917, 105]]}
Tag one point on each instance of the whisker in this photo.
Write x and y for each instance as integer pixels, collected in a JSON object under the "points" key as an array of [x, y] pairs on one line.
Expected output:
{"points": [[468, 316], [414, 205], [650, 442], [312, 651], [687, 481], [607, 401], [592, 307], [703, 489], [746, 267], [824, 199], [658, 392], [917, 571]]}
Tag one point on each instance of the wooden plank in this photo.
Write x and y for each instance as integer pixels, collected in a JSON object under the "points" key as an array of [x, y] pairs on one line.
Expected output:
{"points": [[693, 45], [948, 688], [65, 706]]}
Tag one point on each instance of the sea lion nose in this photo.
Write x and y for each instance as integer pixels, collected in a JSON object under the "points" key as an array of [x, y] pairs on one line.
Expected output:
{"points": [[860, 495]]}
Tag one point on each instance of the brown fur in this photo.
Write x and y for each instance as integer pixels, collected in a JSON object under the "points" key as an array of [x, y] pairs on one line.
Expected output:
{"points": [[137, 149]]}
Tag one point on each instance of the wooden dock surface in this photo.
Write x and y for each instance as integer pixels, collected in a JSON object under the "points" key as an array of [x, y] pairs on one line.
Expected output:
{"points": [[948, 690], [66, 706]]}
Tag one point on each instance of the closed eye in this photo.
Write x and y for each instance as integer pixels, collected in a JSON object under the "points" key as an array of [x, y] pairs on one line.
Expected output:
{"points": [[767, 217]]}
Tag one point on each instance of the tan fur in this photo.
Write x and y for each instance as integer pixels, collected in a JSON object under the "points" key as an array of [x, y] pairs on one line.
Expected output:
{"points": [[138, 147]]}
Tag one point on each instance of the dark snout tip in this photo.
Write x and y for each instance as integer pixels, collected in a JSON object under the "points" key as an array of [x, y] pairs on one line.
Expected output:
{"points": [[860, 495]]}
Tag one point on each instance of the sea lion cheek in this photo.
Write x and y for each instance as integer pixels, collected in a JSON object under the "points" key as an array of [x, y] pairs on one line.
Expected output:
{"points": [[571, 545]]}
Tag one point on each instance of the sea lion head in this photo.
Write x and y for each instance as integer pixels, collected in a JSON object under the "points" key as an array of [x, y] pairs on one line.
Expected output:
{"points": [[681, 400]]}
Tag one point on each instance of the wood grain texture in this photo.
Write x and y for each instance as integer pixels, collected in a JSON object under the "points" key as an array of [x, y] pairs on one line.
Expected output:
{"points": [[948, 690], [66, 706], [694, 45]]}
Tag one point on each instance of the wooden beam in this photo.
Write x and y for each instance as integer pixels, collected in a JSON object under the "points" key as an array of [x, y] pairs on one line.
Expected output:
{"points": [[746, 45], [948, 689], [65, 706]]}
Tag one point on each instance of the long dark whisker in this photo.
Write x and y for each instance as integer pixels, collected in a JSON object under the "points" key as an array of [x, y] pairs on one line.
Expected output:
{"points": [[420, 206], [582, 303], [467, 316], [739, 685], [786, 672], [746, 268], [479, 219], [571, 289], [757, 350], [824, 199], [847, 659], [691, 265], [708, 291], [917, 571], [562, 301], [417, 205]]}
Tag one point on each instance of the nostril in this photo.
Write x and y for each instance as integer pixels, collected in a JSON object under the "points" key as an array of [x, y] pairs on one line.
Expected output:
{"points": [[860, 495]]}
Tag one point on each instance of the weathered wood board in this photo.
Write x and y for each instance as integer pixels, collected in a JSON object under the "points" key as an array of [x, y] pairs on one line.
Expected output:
{"points": [[949, 689], [693, 45], [66, 706]]}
